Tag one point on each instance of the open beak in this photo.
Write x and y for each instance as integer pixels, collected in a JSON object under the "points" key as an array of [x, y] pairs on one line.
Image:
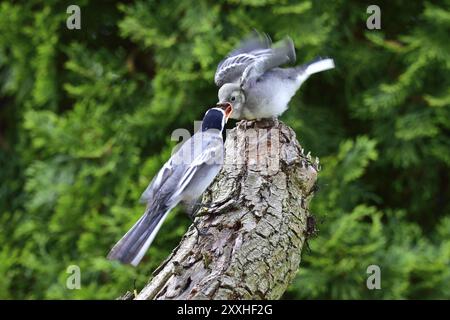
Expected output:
{"points": [[227, 107]]}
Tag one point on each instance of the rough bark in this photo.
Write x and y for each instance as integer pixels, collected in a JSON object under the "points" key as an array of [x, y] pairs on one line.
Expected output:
{"points": [[255, 222]]}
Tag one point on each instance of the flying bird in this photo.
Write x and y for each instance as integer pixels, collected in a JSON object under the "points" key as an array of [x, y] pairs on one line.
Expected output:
{"points": [[182, 179], [251, 80]]}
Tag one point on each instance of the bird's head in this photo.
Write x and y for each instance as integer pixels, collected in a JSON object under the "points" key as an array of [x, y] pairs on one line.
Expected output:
{"points": [[215, 118], [233, 94]]}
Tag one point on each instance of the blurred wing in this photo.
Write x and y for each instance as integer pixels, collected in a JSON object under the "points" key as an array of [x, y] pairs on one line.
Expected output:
{"points": [[281, 54], [230, 69], [253, 42]]}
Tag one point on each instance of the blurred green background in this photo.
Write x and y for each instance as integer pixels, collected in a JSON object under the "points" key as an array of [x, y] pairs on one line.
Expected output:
{"points": [[86, 117]]}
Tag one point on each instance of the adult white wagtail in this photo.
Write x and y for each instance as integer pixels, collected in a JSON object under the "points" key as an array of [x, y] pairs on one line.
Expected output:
{"points": [[249, 77], [183, 178]]}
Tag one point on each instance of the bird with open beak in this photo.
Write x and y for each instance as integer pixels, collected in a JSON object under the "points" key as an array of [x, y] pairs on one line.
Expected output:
{"points": [[251, 80]]}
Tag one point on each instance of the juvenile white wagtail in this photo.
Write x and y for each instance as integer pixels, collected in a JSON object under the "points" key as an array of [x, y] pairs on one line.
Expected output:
{"points": [[249, 77]]}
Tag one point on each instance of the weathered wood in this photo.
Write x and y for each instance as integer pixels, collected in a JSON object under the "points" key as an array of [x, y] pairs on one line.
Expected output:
{"points": [[255, 223]]}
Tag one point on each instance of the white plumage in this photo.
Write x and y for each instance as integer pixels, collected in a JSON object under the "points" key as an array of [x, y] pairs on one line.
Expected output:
{"points": [[258, 88]]}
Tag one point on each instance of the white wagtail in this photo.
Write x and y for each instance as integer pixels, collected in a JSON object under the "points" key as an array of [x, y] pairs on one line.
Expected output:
{"points": [[249, 77], [183, 178]]}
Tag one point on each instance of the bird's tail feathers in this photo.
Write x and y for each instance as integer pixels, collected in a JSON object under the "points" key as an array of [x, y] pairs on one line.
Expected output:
{"points": [[135, 243], [319, 65]]}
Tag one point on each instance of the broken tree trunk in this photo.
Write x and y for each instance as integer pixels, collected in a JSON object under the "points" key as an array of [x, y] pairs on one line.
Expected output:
{"points": [[253, 226]]}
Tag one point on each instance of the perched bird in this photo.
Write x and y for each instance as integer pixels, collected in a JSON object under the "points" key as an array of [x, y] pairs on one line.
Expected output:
{"points": [[249, 77], [183, 178]]}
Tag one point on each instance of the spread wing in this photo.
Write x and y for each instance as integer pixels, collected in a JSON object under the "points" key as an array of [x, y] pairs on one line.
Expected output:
{"points": [[280, 54], [254, 47]]}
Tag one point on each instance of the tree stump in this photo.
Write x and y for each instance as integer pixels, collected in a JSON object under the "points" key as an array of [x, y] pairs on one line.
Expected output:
{"points": [[253, 225]]}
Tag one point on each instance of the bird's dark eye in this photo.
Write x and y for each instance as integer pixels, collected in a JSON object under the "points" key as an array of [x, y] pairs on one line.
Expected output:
{"points": [[233, 98]]}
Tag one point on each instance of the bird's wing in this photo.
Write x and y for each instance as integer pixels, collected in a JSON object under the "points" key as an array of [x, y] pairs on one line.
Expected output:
{"points": [[212, 154], [253, 47], [172, 169], [175, 166], [182, 166], [155, 185], [282, 53]]}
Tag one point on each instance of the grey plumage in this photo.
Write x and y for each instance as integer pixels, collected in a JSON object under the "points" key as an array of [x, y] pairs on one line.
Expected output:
{"points": [[255, 48], [264, 90], [183, 178]]}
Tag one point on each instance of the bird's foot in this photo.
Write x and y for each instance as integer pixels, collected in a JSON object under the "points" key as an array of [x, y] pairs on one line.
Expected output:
{"points": [[267, 122], [200, 232], [248, 123], [195, 223]]}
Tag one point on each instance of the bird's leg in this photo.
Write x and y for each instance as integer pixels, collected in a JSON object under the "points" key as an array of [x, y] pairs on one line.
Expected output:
{"points": [[267, 122], [249, 123], [275, 121], [199, 231], [194, 208]]}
